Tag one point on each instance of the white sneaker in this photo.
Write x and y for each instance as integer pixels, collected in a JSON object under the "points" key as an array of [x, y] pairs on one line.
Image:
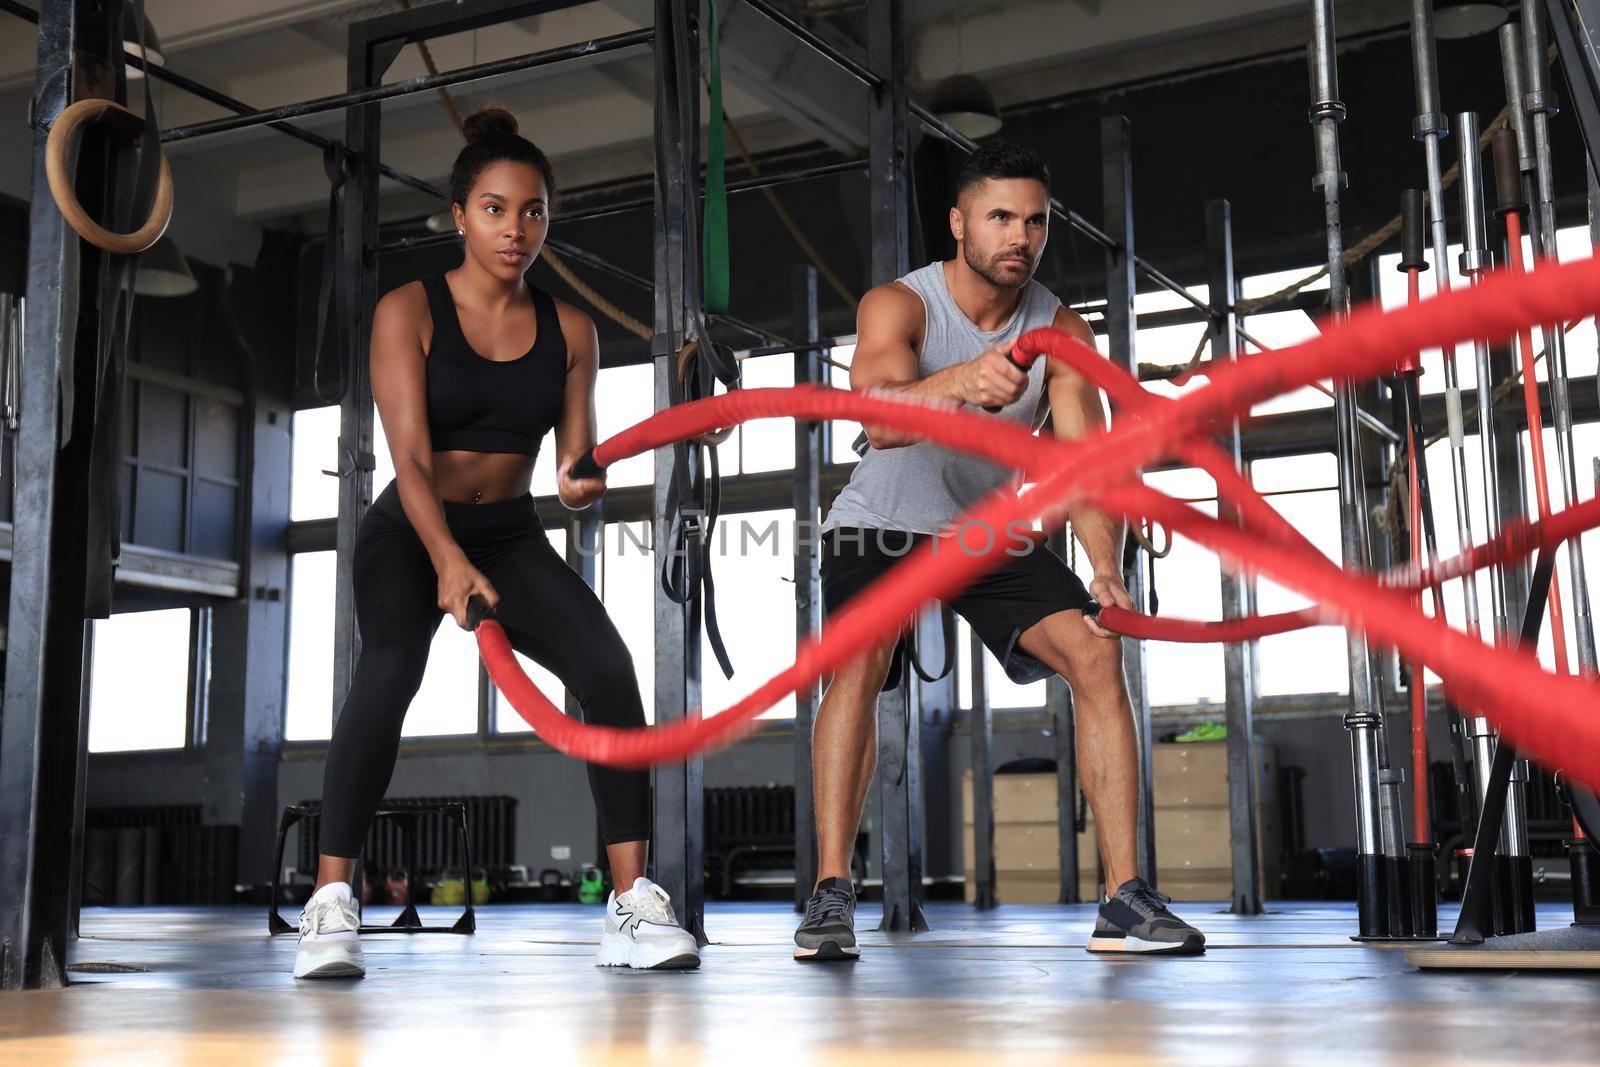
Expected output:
{"points": [[641, 932], [328, 928]]}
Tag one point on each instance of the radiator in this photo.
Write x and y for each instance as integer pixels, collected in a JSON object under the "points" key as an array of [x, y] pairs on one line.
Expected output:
{"points": [[739, 815], [157, 855], [749, 836], [491, 829]]}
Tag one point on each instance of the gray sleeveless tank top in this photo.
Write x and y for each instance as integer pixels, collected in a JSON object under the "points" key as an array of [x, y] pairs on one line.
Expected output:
{"points": [[922, 488]]}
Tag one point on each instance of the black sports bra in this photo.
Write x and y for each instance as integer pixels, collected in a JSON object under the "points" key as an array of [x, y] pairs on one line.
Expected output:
{"points": [[477, 404]]}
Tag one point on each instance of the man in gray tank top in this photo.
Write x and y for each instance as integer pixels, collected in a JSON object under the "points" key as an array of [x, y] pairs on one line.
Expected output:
{"points": [[944, 333]]}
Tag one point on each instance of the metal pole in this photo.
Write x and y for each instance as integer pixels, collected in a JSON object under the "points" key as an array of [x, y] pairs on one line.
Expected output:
{"points": [[1511, 496], [1511, 490], [1058, 702], [899, 785], [938, 708], [1515, 882], [363, 132], [980, 732], [1539, 103], [1476, 257], [1237, 656], [1430, 127], [243, 717], [888, 160], [1515, 75], [80, 792], [1576, 26], [1593, 206], [1362, 286], [372, 94], [1116, 169], [899, 733], [585, 539], [1326, 112], [1514, 504], [809, 458], [43, 729], [679, 787]]}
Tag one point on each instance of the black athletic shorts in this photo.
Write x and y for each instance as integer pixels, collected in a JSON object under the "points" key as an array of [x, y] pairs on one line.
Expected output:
{"points": [[1000, 606]]}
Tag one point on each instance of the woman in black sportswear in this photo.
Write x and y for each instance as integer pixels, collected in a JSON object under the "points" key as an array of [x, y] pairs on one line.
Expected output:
{"points": [[470, 370]]}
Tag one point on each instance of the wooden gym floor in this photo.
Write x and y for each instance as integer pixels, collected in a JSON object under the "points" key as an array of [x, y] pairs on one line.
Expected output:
{"points": [[1013, 987]]}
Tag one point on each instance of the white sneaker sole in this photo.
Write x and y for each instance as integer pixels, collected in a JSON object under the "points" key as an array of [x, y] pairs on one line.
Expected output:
{"points": [[620, 950], [330, 961], [828, 950], [1138, 946]]}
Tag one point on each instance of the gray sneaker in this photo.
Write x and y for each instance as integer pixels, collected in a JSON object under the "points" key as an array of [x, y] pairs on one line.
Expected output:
{"points": [[828, 932], [1136, 919]]}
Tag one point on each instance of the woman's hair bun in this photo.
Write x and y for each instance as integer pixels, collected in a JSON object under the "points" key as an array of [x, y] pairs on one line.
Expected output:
{"points": [[489, 122]]}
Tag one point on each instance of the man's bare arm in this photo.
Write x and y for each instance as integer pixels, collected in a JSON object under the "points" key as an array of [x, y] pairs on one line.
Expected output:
{"points": [[888, 322]]}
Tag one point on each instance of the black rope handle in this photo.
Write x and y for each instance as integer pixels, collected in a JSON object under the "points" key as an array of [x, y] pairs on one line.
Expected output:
{"points": [[1013, 361], [586, 467], [478, 609]]}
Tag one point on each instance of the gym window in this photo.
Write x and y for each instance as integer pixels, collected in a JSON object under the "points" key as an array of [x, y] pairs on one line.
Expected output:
{"points": [[753, 557], [157, 649], [308, 698], [447, 702]]}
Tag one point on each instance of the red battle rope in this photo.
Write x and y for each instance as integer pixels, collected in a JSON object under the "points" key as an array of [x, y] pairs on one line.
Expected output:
{"points": [[1549, 717]]}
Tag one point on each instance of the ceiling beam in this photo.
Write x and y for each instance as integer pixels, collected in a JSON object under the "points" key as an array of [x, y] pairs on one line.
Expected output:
{"points": [[783, 75]]}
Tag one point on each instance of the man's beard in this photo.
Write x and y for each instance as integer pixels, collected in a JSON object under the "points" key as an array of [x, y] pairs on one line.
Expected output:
{"points": [[991, 272]]}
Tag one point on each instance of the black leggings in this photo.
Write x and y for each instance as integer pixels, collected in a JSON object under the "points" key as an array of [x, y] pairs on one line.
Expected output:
{"points": [[551, 616]]}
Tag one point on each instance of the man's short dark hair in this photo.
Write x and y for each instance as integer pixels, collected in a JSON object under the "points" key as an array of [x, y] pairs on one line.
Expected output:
{"points": [[1002, 159]]}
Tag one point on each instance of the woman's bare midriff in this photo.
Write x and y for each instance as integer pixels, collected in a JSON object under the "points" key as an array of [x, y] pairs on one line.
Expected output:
{"points": [[481, 477]]}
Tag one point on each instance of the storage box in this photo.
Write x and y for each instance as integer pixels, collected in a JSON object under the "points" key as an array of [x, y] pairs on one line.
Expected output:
{"points": [[1192, 832], [1027, 848]]}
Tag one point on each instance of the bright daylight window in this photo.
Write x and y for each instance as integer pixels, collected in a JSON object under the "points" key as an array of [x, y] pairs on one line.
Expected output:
{"points": [[447, 702], [762, 444], [1311, 660], [844, 433], [753, 558], [308, 699], [152, 647]]}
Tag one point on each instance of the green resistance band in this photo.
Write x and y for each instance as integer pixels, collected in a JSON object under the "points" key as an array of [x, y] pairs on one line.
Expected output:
{"points": [[714, 227]]}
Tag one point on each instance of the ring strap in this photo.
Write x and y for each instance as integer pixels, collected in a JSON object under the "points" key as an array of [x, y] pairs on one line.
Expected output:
{"points": [[58, 173]]}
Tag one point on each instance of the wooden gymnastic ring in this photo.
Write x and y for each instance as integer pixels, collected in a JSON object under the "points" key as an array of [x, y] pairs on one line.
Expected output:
{"points": [[685, 355], [55, 168]]}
